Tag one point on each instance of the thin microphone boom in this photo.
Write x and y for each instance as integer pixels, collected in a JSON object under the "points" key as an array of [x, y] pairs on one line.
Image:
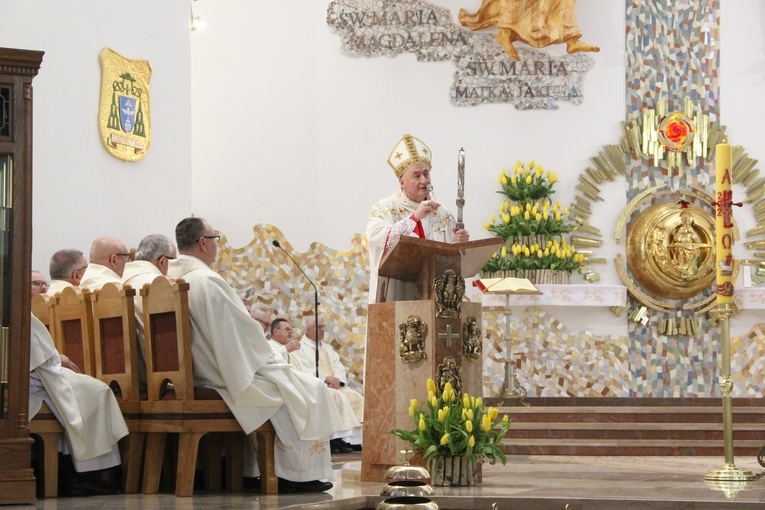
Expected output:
{"points": [[315, 300]]}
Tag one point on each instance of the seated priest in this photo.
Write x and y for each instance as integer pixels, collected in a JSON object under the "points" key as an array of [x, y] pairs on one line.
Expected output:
{"points": [[231, 355], [66, 270], [281, 338], [151, 260], [261, 316], [84, 406], [335, 376], [108, 256], [408, 212], [39, 284]]}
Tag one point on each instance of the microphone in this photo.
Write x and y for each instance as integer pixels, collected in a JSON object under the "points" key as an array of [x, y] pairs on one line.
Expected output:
{"points": [[430, 192], [315, 299]]}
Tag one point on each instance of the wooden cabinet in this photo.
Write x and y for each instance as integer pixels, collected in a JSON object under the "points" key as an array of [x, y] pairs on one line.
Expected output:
{"points": [[17, 69]]}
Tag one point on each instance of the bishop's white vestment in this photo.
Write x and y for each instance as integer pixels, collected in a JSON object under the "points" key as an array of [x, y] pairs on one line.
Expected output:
{"points": [[232, 356], [96, 276], [85, 406], [350, 403], [390, 219]]}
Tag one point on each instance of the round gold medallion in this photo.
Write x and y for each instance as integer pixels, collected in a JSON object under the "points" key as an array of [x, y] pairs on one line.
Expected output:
{"points": [[671, 250]]}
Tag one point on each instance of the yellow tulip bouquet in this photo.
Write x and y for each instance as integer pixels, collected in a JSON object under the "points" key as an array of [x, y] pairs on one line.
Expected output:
{"points": [[449, 425], [531, 225]]}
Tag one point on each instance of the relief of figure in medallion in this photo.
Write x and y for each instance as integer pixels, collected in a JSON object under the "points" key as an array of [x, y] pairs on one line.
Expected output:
{"points": [[413, 333], [449, 372], [449, 289], [685, 246], [472, 343]]}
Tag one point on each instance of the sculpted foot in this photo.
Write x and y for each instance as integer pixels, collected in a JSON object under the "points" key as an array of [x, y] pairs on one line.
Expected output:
{"points": [[576, 46]]}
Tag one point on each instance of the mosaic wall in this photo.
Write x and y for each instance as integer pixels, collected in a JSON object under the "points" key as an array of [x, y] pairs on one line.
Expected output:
{"points": [[552, 361], [264, 276], [672, 51]]}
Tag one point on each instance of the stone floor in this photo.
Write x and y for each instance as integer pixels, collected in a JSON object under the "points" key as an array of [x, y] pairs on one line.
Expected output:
{"points": [[525, 483]]}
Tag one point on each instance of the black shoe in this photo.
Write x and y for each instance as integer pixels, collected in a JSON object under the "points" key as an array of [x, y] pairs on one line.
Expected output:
{"points": [[290, 487], [339, 446], [356, 447], [251, 483]]}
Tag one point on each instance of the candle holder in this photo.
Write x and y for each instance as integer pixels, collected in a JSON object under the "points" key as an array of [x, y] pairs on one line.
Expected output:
{"points": [[729, 472]]}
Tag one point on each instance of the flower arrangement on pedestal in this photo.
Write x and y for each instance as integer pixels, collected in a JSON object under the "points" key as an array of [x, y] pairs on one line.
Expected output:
{"points": [[452, 427], [533, 229]]}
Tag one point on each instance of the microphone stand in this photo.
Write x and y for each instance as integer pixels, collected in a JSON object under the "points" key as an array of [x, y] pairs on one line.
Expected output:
{"points": [[315, 301]]}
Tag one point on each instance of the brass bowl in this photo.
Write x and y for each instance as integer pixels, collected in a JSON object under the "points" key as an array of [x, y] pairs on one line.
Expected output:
{"points": [[407, 488], [407, 473], [407, 503]]}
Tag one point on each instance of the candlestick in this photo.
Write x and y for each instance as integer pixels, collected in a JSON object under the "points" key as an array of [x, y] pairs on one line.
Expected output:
{"points": [[460, 188], [724, 224]]}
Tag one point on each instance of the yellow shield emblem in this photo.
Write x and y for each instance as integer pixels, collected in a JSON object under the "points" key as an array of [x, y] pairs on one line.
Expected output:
{"points": [[124, 115]]}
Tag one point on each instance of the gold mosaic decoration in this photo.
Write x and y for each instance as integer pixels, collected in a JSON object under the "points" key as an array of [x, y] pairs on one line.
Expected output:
{"points": [[263, 276]]}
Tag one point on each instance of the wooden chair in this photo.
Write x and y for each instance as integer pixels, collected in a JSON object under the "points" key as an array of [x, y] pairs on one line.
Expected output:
{"points": [[116, 364], [182, 409], [44, 424], [73, 328]]}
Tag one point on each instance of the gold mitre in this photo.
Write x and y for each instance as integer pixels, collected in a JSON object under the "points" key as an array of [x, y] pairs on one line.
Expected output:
{"points": [[408, 151]]}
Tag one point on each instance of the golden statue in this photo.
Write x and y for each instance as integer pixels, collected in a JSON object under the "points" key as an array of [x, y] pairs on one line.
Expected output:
{"points": [[538, 23]]}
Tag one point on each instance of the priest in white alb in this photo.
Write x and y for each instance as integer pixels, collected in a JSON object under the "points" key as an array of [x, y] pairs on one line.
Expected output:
{"points": [[231, 355], [408, 212], [152, 259], [85, 406], [108, 256], [334, 374], [66, 270]]}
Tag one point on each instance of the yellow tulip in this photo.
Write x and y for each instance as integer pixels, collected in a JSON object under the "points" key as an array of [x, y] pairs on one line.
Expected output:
{"points": [[445, 439], [557, 216], [526, 251], [485, 423], [487, 226], [545, 215], [471, 441], [465, 401], [505, 217], [447, 389], [504, 251], [526, 215], [431, 396], [505, 419], [422, 425], [470, 414], [493, 412], [464, 415], [469, 426], [478, 402], [540, 254], [503, 179], [565, 210], [493, 219], [528, 179], [552, 178], [538, 217], [433, 401], [547, 252], [532, 164], [413, 403], [430, 384], [441, 415], [513, 180]]}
